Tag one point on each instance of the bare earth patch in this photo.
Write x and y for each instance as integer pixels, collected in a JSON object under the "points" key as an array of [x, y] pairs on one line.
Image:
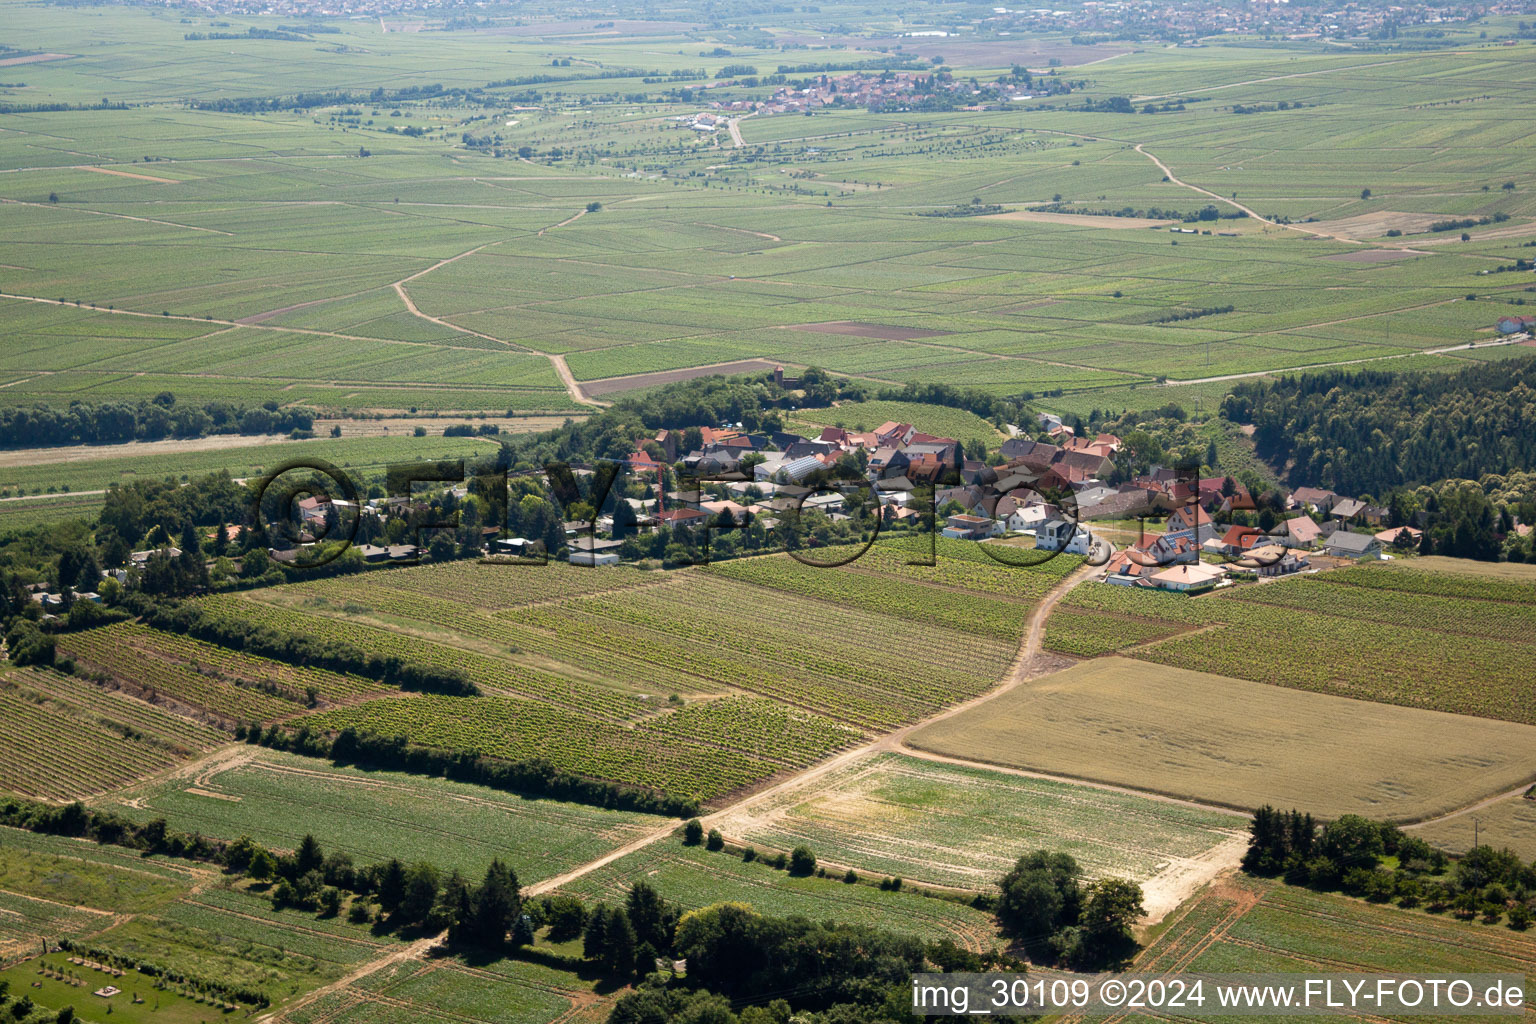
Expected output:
{"points": [[1374, 225], [129, 174], [91, 452], [34, 58], [855, 329], [1082, 220], [636, 381], [1372, 256]]}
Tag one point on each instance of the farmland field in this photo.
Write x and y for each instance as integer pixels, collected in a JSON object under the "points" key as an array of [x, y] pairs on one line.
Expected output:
{"points": [[231, 934], [1506, 823], [1238, 743], [1246, 924], [509, 992], [54, 887], [209, 681], [659, 754], [365, 453], [580, 667], [98, 739], [905, 816], [277, 798], [1410, 633], [414, 216], [430, 274], [695, 877]]}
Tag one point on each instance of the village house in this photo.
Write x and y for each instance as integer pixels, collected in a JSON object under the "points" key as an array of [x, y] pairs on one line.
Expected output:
{"points": [[1345, 544], [1190, 521], [593, 551], [140, 558], [887, 460], [1273, 560], [1345, 509], [969, 527], [1300, 532], [1027, 518], [1400, 534], [1240, 539], [1063, 535], [680, 517], [1312, 498], [1122, 504], [894, 434], [1124, 569], [1187, 578]]}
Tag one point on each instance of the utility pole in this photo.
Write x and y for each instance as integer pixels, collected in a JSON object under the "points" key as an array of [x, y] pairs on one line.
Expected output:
{"points": [[1477, 874]]}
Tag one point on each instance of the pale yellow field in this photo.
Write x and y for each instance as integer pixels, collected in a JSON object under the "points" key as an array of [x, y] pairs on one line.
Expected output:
{"points": [[1240, 744], [1509, 822], [1519, 572]]}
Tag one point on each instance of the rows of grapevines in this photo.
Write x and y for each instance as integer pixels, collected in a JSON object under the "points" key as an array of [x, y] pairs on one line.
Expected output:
{"points": [[294, 681], [762, 728], [1495, 620], [166, 665], [871, 669], [490, 673], [487, 586], [1089, 634], [118, 711], [1142, 602], [958, 563], [1393, 664], [1413, 579], [912, 601], [458, 621], [48, 752], [578, 629], [505, 727], [1364, 641]]}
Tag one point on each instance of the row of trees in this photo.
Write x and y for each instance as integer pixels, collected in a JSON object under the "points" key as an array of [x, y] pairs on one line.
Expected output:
{"points": [[303, 649], [535, 776], [823, 971], [1349, 854], [160, 417]]}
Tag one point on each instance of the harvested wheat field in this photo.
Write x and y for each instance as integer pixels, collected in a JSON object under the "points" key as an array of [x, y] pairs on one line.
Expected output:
{"points": [[1508, 822], [1240, 744]]}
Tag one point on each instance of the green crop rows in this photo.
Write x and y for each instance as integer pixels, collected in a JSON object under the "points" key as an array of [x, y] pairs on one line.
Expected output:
{"points": [[503, 727], [490, 673], [1418, 637], [226, 682], [695, 877], [374, 815], [847, 667]]}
